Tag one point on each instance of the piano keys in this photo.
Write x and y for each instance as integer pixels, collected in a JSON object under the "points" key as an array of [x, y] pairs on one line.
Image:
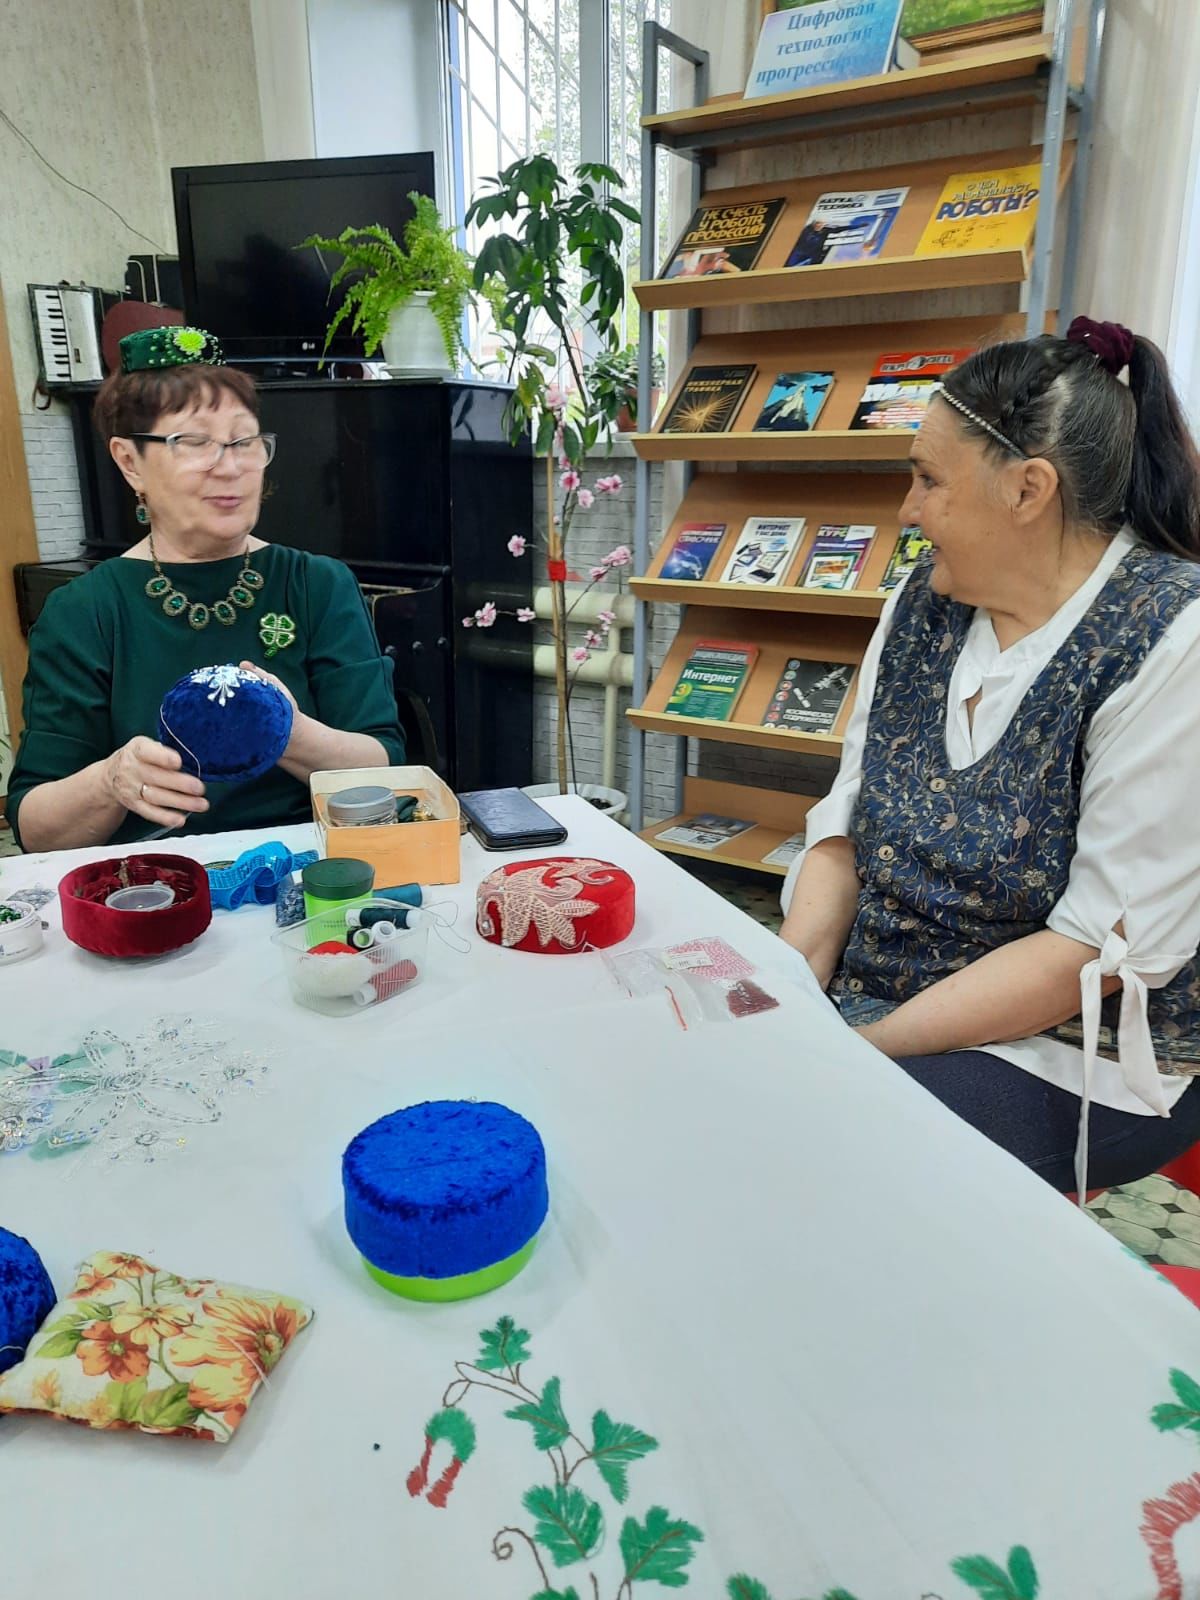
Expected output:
{"points": [[66, 325]]}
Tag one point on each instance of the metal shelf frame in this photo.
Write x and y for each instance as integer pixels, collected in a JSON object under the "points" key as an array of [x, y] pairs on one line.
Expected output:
{"points": [[1051, 80]]}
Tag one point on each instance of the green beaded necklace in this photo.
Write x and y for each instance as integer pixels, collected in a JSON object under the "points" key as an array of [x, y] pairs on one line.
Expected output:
{"points": [[175, 602]]}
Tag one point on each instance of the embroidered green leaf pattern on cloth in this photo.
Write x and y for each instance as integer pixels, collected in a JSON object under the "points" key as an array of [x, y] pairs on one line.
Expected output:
{"points": [[550, 1426], [505, 1345], [569, 1525], [658, 1548]]}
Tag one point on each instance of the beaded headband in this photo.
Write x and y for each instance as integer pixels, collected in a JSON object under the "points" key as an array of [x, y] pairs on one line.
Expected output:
{"points": [[151, 349], [972, 416]]}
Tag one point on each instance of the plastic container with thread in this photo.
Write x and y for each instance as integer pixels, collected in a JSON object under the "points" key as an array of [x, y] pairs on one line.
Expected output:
{"points": [[335, 884], [343, 984], [24, 936]]}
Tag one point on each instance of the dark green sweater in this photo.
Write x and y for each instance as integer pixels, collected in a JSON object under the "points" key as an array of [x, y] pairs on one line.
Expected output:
{"points": [[102, 655]]}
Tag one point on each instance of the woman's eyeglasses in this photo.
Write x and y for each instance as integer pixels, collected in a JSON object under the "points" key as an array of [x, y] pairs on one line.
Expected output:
{"points": [[254, 453]]}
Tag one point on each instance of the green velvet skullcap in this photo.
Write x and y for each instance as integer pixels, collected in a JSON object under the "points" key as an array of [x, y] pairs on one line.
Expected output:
{"points": [[151, 349]]}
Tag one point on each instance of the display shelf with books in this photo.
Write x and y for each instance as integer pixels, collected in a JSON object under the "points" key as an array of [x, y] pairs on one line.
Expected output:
{"points": [[710, 526], [836, 235], [767, 823], [789, 571], [722, 422], [826, 642], [995, 79]]}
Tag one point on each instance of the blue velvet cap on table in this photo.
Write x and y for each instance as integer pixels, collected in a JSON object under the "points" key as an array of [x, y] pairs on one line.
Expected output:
{"points": [[228, 725], [445, 1199], [26, 1296]]}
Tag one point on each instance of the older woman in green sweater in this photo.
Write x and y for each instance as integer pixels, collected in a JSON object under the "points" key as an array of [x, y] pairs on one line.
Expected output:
{"points": [[198, 590]]}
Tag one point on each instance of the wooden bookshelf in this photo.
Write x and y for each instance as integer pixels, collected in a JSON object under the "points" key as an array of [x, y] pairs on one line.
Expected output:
{"points": [[776, 816], [845, 476], [677, 727], [992, 79], [747, 597], [778, 637], [872, 498], [896, 270], [889, 446], [848, 351], [839, 280]]}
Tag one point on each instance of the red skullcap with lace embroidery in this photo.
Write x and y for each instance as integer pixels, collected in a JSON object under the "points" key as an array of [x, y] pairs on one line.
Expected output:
{"points": [[558, 906]]}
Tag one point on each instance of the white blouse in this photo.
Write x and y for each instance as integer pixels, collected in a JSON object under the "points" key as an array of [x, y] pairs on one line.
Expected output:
{"points": [[1137, 856]]}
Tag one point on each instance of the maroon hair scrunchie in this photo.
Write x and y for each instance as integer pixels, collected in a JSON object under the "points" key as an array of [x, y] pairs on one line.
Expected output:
{"points": [[1109, 342]]}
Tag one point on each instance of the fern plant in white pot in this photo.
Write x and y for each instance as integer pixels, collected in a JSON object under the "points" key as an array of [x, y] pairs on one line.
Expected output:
{"points": [[409, 299]]}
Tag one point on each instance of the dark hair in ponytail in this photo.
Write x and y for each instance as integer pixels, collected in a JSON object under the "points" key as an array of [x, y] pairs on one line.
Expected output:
{"points": [[1122, 453]]}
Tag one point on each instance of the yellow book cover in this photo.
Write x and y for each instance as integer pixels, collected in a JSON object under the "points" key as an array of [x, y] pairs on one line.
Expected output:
{"points": [[983, 211]]}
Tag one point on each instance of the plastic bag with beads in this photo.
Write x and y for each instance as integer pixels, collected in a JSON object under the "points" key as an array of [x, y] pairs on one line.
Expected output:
{"points": [[701, 980]]}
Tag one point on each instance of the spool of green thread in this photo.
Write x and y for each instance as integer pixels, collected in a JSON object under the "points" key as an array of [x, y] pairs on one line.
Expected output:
{"points": [[336, 883]]}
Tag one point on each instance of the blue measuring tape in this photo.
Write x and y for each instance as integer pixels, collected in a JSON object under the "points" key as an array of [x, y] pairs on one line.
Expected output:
{"points": [[255, 875]]}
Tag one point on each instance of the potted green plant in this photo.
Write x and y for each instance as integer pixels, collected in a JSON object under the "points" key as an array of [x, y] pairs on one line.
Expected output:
{"points": [[615, 372], [551, 272], [409, 299]]}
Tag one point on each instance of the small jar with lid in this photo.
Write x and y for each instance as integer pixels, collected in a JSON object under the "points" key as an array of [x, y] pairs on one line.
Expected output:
{"points": [[367, 805], [336, 883]]}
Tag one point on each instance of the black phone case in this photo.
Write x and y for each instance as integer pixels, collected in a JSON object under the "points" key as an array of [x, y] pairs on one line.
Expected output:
{"points": [[507, 819]]}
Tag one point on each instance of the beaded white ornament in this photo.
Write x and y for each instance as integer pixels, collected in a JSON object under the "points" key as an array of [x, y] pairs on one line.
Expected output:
{"points": [[125, 1099]]}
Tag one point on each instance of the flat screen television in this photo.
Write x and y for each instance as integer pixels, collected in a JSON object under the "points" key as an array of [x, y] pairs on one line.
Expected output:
{"points": [[243, 278]]}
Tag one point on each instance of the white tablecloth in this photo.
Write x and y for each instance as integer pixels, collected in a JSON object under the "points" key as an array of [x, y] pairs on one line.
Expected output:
{"points": [[867, 1342]]}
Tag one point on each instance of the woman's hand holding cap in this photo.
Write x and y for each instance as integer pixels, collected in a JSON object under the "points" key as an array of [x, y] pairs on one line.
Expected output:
{"points": [[145, 777]]}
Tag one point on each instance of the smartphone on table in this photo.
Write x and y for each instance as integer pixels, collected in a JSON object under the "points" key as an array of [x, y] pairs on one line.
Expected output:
{"points": [[507, 819]]}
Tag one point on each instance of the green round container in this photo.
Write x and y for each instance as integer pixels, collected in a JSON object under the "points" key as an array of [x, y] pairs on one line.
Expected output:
{"points": [[336, 883], [463, 1287]]}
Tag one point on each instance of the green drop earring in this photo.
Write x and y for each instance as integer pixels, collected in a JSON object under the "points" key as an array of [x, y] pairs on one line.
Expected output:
{"points": [[143, 512]]}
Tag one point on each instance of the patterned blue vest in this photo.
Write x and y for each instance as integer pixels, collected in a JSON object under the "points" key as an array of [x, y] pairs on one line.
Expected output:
{"points": [[954, 864]]}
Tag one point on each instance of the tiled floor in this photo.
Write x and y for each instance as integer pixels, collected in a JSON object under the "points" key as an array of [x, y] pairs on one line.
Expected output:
{"points": [[752, 892]]}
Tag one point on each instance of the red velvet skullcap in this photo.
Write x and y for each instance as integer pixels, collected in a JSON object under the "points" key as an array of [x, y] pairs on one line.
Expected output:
{"points": [[1110, 342], [557, 906]]}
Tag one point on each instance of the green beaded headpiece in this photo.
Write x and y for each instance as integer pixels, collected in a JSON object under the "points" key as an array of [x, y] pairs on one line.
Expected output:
{"points": [[151, 349]]}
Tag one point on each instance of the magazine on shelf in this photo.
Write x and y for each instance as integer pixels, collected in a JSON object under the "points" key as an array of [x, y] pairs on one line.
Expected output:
{"points": [[795, 402], [692, 551], [723, 238], [764, 550], [809, 696], [908, 550], [846, 225], [901, 386], [785, 852], [704, 832], [708, 400], [988, 210], [837, 556], [808, 46], [712, 679]]}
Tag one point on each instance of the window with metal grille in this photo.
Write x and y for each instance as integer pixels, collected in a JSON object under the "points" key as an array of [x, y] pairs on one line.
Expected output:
{"points": [[559, 76]]}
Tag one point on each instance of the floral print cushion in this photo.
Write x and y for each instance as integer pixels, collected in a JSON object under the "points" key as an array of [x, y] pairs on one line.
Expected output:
{"points": [[134, 1347]]}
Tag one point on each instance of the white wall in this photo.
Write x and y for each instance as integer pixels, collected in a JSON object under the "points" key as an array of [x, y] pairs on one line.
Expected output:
{"points": [[377, 78], [1140, 194], [281, 51], [113, 94]]}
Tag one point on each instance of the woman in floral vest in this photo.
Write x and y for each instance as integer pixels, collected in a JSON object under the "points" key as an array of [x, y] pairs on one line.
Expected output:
{"points": [[1002, 889]]}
